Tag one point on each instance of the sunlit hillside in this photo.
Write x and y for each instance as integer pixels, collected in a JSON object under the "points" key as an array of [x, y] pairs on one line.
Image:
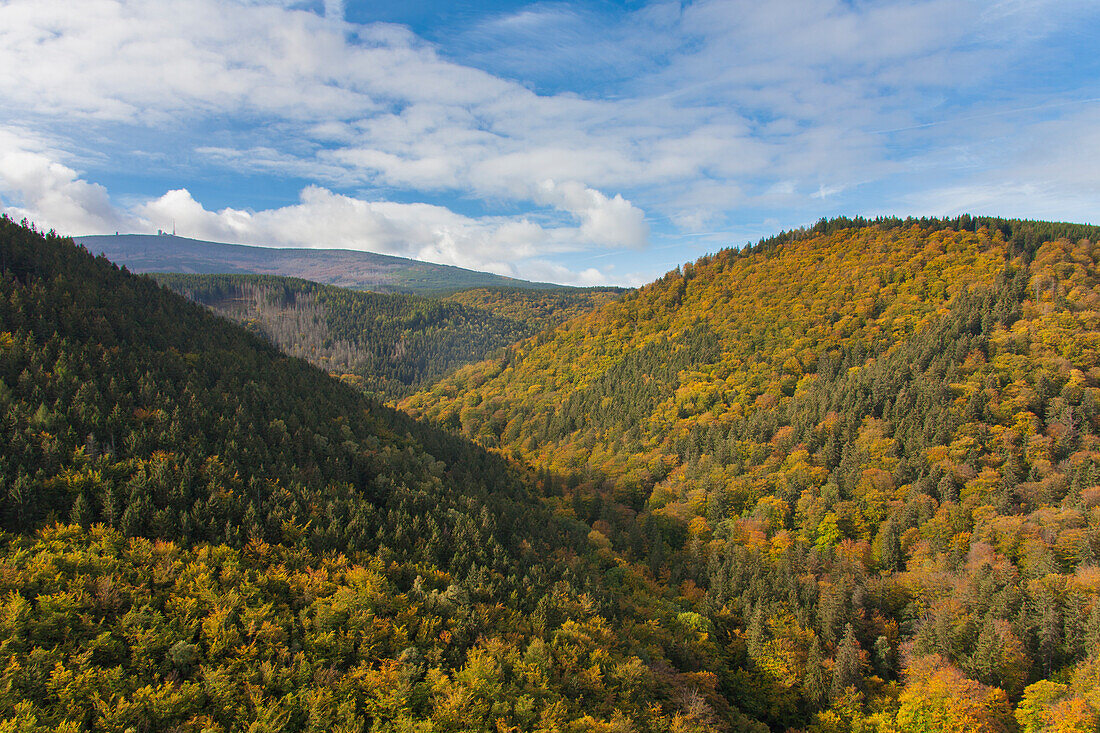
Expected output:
{"points": [[873, 444]]}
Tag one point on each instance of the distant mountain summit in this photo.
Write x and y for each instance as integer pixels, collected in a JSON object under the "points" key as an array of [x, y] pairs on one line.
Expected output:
{"points": [[346, 268]]}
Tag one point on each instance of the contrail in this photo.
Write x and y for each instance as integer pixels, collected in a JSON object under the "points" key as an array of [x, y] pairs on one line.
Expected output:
{"points": [[1002, 113]]}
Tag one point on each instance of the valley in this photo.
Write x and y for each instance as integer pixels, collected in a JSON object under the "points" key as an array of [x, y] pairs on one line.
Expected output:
{"points": [[387, 344], [845, 479]]}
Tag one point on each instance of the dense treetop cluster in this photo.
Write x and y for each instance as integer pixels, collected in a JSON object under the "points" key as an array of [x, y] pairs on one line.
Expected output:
{"points": [[874, 444], [846, 479], [205, 534]]}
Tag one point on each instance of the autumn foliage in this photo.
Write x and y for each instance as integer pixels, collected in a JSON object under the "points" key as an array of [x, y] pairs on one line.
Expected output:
{"points": [[885, 427], [847, 479]]}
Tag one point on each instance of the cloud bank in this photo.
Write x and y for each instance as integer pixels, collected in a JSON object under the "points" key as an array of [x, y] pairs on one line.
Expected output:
{"points": [[527, 141]]}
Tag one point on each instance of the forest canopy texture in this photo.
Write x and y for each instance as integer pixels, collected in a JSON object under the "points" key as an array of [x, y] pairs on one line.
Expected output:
{"points": [[871, 447], [847, 479], [386, 344]]}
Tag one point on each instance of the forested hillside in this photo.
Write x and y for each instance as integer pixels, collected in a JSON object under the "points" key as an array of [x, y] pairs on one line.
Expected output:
{"points": [[384, 343], [847, 479], [203, 534], [871, 449]]}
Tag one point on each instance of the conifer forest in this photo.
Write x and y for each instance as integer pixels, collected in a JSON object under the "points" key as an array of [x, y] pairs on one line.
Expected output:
{"points": [[843, 480]]}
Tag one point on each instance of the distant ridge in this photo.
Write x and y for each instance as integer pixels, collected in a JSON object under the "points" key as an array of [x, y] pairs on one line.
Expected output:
{"points": [[345, 268]]}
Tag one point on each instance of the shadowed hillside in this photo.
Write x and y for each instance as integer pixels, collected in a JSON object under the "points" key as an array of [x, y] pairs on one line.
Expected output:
{"points": [[203, 534], [387, 344]]}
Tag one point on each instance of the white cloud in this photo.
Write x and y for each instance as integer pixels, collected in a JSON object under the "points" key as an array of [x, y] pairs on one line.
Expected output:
{"points": [[687, 114], [402, 116], [334, 10], [543, 271], [34, 187], [52, 195], [322, 218], [611, 222], [147, 61], [1050, 173]]}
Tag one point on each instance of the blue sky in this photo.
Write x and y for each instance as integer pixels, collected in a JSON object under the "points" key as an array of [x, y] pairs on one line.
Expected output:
{"points": [[577, 142]]}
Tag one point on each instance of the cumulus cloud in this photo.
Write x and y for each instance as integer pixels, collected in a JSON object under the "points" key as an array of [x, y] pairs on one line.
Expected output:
{"points": [[403, 116], [612, 222], [144, 61], [52, 195], [543, 271], [36, 188], [322, 218]]}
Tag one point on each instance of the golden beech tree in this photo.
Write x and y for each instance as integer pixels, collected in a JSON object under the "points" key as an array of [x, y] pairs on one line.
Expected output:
{"points": [[938, 698]]}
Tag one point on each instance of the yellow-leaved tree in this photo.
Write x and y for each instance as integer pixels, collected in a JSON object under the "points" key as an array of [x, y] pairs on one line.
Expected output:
{"points": [[938, 698]]}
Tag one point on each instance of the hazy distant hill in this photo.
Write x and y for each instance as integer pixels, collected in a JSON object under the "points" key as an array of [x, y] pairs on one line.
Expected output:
{"points": [[346, 268]]}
